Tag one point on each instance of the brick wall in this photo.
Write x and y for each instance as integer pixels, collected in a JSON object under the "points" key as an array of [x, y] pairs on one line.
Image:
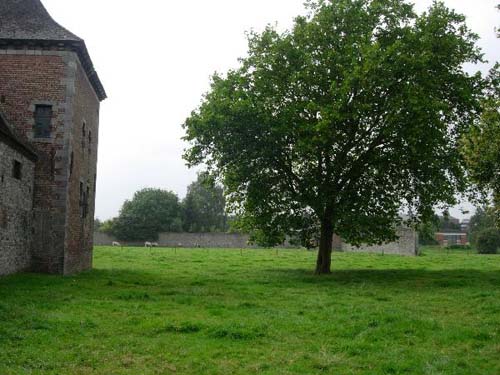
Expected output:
{"points": [[62, 240], [28, 78], [16, 203]]}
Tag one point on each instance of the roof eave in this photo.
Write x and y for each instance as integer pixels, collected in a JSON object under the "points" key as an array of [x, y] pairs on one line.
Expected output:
{"points": [[78, 46]]}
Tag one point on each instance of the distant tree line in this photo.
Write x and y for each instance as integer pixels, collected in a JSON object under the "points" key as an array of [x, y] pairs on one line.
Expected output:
{"points": [[154, 211]]}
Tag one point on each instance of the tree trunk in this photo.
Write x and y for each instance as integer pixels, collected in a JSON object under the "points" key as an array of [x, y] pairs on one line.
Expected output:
{"points": [[324, 260]]}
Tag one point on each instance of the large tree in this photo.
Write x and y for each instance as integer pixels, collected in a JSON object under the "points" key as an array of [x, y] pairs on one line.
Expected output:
{"points": [[481, 146], [348, 118], [204, 206], [150, 212]]}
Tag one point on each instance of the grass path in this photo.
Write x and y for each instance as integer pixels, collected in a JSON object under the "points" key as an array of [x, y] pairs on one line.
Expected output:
{"points": [[225, 312]]}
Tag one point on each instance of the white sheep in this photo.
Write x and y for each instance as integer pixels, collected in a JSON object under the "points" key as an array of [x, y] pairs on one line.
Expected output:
{"points": [[115, 243], [148, 244]]}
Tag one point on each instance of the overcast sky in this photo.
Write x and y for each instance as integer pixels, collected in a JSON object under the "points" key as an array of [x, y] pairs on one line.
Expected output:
{"points": [[155, 58]]}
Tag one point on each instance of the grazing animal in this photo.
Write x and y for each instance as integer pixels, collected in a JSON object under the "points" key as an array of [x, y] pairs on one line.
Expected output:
{"points": [[148, 244], [115, 243], [154, 244]]}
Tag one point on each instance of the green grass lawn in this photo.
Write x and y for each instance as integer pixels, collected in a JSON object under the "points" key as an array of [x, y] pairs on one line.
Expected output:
{"points": [[256, 312]]}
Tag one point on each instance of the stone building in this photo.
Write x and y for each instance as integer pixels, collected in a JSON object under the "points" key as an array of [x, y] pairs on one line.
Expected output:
{"points": [[49, 103], [17, 172]]}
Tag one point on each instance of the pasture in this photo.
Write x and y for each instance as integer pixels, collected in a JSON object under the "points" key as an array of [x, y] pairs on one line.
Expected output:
{"points": [[208, 311]]}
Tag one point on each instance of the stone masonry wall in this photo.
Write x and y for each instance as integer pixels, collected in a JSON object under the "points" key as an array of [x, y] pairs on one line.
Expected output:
{"points": [[186, 240], [16, 203], [83, 144], [406, 245]]}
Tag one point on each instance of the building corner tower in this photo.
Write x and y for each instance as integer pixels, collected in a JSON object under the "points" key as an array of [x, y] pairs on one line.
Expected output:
{"points": [[50, 96]]}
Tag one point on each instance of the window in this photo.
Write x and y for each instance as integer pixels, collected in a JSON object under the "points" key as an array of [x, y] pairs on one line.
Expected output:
{"points": [[90, 141], [84, 200], [43, 118], [83, 135], [71, 162], [16, 170]]}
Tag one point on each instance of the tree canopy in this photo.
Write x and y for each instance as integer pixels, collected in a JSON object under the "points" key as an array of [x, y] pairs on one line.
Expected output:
{"points": [[150, 212], [481, 146], [483, 219], [350, 117], [204, 206]]}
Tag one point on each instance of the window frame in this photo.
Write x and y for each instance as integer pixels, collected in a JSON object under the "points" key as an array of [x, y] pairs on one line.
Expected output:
{"points": [[42, 127]]}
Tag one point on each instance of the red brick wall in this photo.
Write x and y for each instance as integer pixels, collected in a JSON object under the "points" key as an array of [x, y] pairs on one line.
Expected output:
{"points": [[62, 240], [26, 80]]}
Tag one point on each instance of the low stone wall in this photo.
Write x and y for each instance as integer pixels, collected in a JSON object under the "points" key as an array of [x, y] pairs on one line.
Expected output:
{"points": [[407, 244], [186, 240]]}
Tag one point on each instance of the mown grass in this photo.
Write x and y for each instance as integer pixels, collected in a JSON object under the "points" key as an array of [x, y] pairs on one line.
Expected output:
{"points": [[255, 312]]}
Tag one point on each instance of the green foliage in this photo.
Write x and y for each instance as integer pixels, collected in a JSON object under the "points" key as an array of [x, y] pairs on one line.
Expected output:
{"points": [[150, 212], [446, 223], [204, 206], [107, 226], [224, 312], [427, 230], [97, 224], [352, 114], [481, 146], [483, 219], [488, 241]]}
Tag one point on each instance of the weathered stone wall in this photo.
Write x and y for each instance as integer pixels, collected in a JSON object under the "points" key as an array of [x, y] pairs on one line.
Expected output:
{"points": [[187, 240], [16, 204], [83, 143], [406, 245], [223, 240]]}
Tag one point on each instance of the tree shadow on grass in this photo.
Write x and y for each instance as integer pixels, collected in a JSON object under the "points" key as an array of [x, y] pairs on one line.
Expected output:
{"points": [[455, 278], [105, 279]]}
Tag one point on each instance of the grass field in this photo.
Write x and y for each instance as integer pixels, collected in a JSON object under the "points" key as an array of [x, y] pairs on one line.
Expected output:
{"points": [[255, 312]]}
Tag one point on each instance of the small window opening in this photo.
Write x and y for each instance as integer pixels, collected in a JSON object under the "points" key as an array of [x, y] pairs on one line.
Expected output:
{"points": [[2, 99], [16, 170], [84, 200], [71, 162], [43, 118], [90, 141], [83, 135]]}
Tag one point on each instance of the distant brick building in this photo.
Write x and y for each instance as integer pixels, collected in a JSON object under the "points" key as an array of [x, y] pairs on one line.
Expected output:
{"points": [[450, 238], [49, 104]]}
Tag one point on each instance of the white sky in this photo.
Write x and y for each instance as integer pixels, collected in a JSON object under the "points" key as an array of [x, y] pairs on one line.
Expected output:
{"points": [[155, 58]]}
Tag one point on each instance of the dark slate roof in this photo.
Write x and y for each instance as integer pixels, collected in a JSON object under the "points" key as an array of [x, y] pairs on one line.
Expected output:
{"points": [[27, 21], [8, 137]]}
